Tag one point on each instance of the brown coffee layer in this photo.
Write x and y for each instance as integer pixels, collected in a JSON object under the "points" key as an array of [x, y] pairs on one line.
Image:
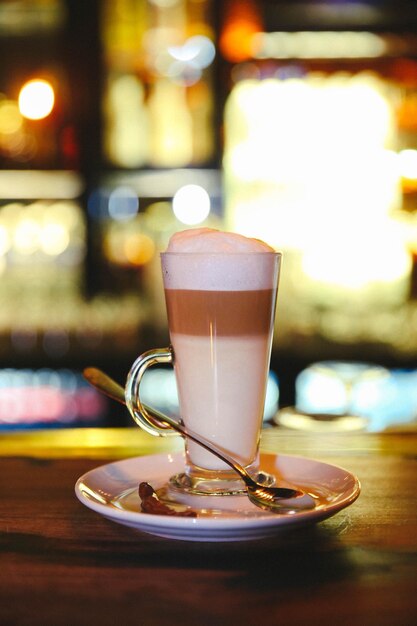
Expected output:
{"points": [[220, 313]]}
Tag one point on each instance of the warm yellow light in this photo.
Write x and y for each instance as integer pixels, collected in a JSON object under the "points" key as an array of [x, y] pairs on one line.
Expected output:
{"points": [[241, 21], [172, 137], [317, 45], [4, 240], [54, 239], [139, 249], [114, 241], [68, 214], [123, 247], [10, 117], [26, 236], [36, 99]]}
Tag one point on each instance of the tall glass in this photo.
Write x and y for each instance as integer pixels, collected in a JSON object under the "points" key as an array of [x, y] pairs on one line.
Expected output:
{"points": [[221, 309]]}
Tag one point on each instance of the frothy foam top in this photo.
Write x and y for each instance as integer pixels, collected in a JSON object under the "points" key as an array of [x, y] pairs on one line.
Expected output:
{"points": [[213, 260], [211, 240]]}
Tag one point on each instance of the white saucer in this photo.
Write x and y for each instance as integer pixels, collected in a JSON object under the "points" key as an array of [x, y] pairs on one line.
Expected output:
{"points": [[112, 491]]}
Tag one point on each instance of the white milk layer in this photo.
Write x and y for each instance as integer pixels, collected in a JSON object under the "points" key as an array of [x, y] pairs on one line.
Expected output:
{"points": [[221, 387]]}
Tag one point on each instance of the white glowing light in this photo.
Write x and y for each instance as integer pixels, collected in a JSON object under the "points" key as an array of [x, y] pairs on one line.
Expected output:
{"points": [[308, 169], [340, 387], [191, 204], [408, 164], [36, 99], [198, 51], [347, 261]]}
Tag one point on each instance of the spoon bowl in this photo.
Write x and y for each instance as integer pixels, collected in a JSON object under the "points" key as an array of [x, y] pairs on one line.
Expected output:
{"points": [[282, 500]]}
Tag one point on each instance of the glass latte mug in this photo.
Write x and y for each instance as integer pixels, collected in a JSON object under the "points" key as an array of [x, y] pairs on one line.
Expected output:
{"points": [[221, 310]]}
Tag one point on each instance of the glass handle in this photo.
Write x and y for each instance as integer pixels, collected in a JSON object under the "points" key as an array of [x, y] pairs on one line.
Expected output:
{"points": [[137, 410]]}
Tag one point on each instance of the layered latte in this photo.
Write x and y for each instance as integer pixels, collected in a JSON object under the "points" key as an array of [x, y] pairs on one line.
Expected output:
{"points": [[220, 291]]}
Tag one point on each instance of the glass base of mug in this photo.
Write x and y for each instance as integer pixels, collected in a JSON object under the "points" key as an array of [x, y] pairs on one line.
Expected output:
{"points": [[201, 482]]}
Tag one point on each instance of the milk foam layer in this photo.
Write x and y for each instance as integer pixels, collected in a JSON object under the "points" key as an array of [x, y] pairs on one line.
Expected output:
{"points": [[207, 259], [212, 240]]}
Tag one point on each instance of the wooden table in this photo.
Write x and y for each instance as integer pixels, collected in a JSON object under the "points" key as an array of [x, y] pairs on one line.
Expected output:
{"points": [[63, 564]]}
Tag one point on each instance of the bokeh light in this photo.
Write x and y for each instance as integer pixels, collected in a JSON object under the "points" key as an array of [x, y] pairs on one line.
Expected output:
{"points": [[286, 166], [10, 117], [27, 236], [199, 51], [408, 164], [42, 229], [54, 238], [191, 204], [4, 240], [36, 99], [123, 204], [317, 45], [128, 245], [241, 22], [139, 248], [47, 397]]}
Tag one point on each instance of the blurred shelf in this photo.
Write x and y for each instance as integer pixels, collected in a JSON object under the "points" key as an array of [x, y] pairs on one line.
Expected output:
{"points": [[164, 183], [40, 185]]}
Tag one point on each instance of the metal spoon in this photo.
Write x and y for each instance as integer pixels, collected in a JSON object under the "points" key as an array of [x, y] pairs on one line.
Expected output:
{"points": [[271, 498]]}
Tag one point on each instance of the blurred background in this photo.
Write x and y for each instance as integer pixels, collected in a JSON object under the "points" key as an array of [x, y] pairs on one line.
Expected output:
{"points": [[124, 121]]}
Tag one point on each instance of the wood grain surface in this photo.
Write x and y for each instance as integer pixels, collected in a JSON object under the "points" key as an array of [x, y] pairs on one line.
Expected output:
{"points": [[63, 564]]}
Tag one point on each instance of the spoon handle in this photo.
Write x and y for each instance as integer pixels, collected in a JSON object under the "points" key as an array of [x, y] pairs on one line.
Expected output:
{"points": [[107, 385]]}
